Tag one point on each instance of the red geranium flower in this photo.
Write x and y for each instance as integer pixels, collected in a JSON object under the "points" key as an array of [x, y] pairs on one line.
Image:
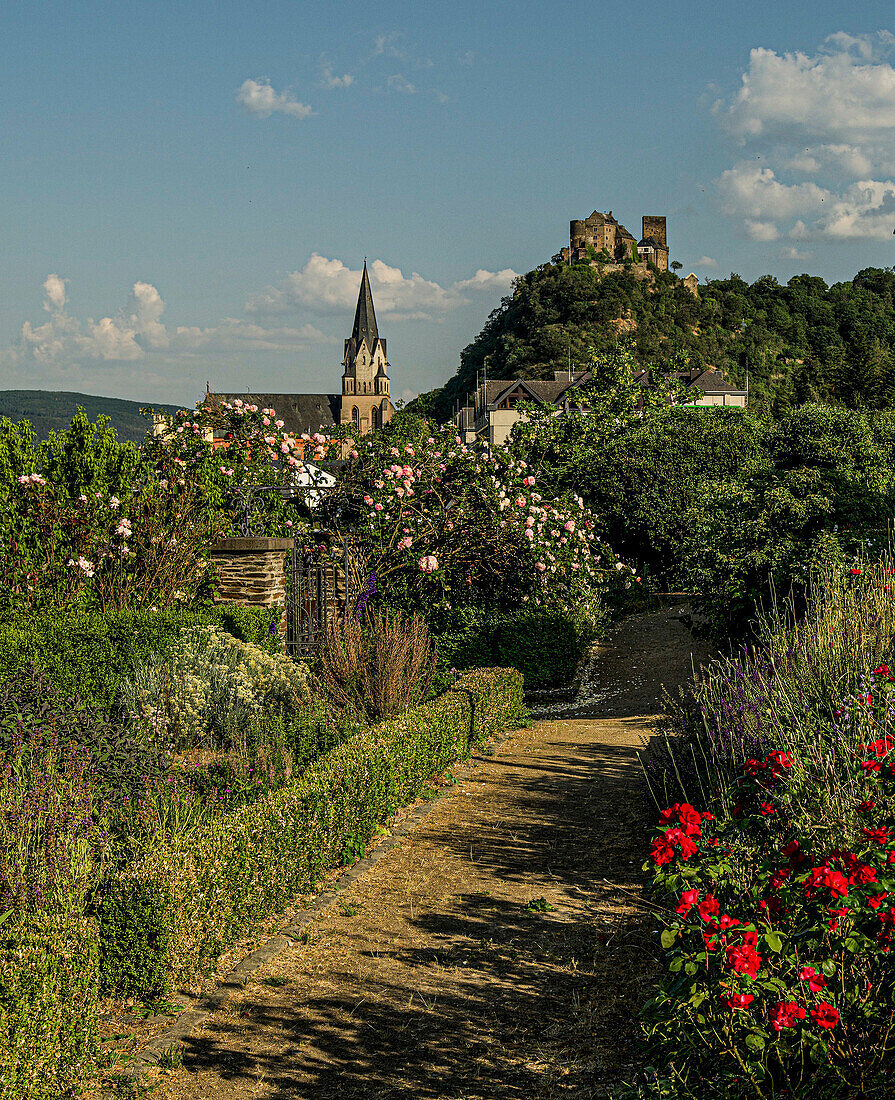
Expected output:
{"points": [[815, 981], [866, 806], [876, 900], [688, 900], [878, 835], [709, 908], [739, 1000], [825, 1015], [786, 1014], [768, 808], [835, 881], [662, 851], [744, 959], [779, 761], [883, 670]]}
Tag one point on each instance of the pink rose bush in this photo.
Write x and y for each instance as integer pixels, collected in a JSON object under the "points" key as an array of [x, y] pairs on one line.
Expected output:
{"points": [[446, 525]]}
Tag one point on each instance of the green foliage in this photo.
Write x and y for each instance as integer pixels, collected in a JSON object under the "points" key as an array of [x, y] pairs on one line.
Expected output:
{"points": [[88, 654], [232, 871], [52, 410], [119, 764], [804, 341], [824, 491], [48, 1010], [134, 930], [545, 646]]}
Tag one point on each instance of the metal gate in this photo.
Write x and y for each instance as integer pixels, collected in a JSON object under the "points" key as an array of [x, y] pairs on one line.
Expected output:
{"points": [[319, 592], [321, 582]]}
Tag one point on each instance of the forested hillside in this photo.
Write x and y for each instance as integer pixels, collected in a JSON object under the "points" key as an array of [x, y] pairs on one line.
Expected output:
{"points": [[800, 341], [52, 410]]}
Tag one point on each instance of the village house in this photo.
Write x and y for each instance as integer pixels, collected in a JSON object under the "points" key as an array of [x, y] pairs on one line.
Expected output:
{"points": [[496, 403]]}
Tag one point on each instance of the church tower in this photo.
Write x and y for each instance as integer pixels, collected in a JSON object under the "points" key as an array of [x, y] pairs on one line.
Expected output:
{"points": [[365, 386]]}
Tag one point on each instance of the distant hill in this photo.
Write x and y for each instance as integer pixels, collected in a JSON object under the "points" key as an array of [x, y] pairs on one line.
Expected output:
{"points": [[803, 341], [49, 410]]}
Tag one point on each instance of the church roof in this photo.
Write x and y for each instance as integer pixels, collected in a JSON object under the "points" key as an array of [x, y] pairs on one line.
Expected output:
{"points": [[300, 412], [365, 315]]}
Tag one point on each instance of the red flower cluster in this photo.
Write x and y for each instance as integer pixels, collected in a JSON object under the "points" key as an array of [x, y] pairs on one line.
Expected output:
{"points": [[876, 753], [685, 823], [825, 1015], [786, 1014], [815, 981]]}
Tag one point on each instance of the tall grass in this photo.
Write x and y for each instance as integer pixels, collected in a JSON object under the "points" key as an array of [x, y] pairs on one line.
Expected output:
{"points": [[378, 665], [797, 690]]}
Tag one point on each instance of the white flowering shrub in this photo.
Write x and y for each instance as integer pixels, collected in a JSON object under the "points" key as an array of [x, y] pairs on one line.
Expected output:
{"points": [[212, 689]]}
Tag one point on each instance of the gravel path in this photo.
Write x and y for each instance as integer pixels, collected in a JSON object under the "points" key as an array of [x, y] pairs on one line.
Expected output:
{"points": [[499, 950]]}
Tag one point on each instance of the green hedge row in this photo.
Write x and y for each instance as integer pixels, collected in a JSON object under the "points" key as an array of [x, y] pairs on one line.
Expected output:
{"points": [[170, 916], [88, 654], [48, 1012], [546, 646]]}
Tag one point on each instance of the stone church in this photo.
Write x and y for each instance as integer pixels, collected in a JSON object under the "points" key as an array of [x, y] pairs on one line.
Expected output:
{"points": [[365, 399]]}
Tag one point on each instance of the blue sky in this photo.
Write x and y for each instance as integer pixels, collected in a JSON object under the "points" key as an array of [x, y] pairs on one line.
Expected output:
{"points": [[189, 190]]}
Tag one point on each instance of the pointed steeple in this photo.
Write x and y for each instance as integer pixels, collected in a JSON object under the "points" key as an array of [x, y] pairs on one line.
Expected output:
{"points": [[365, 315]]}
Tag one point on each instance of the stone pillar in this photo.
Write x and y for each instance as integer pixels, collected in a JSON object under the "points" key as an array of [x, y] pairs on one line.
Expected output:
{"points": [[252, 571]]}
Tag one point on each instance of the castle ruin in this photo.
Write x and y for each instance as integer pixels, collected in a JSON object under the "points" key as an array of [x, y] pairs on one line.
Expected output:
{"points": [[602, 239]]}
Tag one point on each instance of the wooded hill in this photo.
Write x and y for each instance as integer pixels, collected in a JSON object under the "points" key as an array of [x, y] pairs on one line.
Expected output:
{"points": [[52, 410], [802, 341]]}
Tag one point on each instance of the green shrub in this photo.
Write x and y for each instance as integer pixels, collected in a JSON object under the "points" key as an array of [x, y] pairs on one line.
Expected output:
{"points": [[48, 1015], [545, 645], [136, 936], [231, 872], [88, 654]]}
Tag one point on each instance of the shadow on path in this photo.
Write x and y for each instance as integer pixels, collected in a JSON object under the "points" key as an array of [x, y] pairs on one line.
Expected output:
{"points": [[499, 951]]}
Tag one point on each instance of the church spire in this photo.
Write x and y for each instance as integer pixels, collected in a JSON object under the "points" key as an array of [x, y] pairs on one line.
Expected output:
{"points": [[365, 316]]}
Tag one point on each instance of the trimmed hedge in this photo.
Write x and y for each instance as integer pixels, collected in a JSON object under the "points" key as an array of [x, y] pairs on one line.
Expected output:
{"points": [[88, 653], [48, 1013], [546, 646], [191, 896]]}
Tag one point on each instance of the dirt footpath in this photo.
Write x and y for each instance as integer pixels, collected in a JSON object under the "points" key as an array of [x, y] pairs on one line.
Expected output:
{"points": [[499, 950]]}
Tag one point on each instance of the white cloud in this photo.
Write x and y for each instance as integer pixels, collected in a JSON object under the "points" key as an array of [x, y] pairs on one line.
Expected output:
{"points": [[384, 45], [54, 293], [841, 94], [794, 254], [398, 83], [705, 261], [829, 116], [329, 79], [137, 333], [755, 192], [328, 286], [259, 99]]}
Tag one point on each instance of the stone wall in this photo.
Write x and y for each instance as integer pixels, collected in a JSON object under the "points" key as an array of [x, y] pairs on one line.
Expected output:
{"points": [[252, 571], [654, 226]]}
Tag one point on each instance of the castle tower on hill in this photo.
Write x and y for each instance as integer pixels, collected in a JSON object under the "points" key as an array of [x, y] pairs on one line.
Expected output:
{"points": [[365, 385], [613, 244]]}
